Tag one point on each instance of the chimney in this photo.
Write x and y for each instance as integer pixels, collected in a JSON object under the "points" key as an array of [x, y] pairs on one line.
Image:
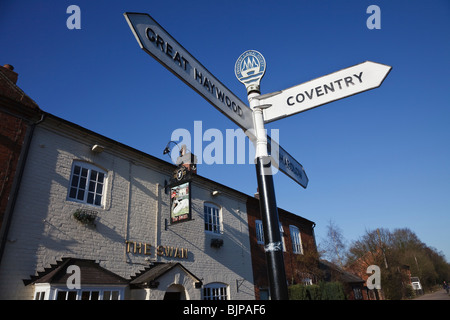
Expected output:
{"points": [[188, 159], [257, 193], [7, 70]]}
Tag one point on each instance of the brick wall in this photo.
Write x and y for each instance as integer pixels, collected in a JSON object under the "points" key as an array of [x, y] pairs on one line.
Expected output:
{"points": [[12, 133], [17, 112], [294, 272]]}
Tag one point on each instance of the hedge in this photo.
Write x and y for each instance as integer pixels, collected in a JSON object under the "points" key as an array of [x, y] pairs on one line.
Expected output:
{"points": [[322, 291]]}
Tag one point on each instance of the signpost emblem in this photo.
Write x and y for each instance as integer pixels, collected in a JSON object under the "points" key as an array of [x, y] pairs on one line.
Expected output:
{"points": [[250, 68]]}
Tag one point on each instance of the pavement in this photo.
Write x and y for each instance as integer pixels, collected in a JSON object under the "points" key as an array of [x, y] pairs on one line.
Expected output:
{"points": [[437, 295]]}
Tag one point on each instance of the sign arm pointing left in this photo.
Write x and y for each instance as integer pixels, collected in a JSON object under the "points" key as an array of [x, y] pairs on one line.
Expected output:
{"points": [[159, 44]]}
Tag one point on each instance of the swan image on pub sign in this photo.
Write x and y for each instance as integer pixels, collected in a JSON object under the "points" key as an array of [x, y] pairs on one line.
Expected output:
{"points": [[180, 202]]}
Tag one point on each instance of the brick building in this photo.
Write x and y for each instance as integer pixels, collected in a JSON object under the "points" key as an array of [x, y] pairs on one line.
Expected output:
{"points": [[353, 285], [359, 268], [18, 117], [298, 242]]}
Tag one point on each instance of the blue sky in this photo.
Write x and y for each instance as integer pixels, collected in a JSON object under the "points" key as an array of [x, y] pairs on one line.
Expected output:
{"points": [[377, 159]]}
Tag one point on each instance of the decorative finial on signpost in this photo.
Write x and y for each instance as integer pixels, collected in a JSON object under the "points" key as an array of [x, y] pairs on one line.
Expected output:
{"points": [[249, 69]]}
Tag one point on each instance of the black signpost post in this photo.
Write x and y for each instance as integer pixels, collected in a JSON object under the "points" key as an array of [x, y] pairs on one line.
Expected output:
{"points": [[272, 237]]}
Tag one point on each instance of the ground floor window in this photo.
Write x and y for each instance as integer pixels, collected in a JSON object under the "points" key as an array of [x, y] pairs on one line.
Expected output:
{"points": [[40, 295], [358, 293], [264, 294], [215, 291], [81, 294]]}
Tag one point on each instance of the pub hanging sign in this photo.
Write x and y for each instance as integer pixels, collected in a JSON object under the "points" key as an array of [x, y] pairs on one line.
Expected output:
{"points": [[180, 202]]}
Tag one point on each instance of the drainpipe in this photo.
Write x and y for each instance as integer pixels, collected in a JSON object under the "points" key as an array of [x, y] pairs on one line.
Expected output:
{"points": [[16, 184]]}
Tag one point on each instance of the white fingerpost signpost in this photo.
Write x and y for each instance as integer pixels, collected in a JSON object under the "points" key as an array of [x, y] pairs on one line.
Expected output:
{"points": [[249, 69]]}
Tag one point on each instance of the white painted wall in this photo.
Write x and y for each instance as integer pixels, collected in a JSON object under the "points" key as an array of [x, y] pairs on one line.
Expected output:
{"points": [[135, 209]]}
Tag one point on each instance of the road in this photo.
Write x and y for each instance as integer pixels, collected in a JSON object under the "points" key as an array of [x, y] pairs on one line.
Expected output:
{"points": [[438, 295]]}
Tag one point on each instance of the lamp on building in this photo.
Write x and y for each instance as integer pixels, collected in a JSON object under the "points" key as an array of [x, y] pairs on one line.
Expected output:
{"points": [[167, 149], [215, 193], [97, 148]]}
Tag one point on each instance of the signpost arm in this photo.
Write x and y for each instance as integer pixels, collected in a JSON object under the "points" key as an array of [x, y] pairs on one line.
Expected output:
{"points": [[268, 206]]}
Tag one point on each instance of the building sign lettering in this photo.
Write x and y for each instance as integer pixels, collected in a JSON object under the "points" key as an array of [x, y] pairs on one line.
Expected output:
{"points": [[149, 250]]}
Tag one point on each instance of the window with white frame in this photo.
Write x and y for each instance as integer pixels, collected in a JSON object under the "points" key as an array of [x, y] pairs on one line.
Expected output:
{"points": [[213, 218], [97, 293], [39, 295], [215, 291], [87, 183], [283, 245], [259, 232], [296, 240]]}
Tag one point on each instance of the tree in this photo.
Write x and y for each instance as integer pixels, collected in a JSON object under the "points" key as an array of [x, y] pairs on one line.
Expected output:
{"points": [[373, 242], [308, 262], [396, 252], [334, 245]]}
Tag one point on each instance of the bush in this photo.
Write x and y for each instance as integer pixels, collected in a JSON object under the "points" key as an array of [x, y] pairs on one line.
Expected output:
{"points": [[410, 293], [298, 292], [314, 292], [332, 291], [323, 291]]}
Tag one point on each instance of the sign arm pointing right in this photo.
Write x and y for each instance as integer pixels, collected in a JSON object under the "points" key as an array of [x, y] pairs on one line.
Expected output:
{"points": [[335, 86]]}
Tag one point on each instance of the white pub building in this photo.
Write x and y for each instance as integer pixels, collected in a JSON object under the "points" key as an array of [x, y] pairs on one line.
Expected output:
{"points": [[96, 219]]}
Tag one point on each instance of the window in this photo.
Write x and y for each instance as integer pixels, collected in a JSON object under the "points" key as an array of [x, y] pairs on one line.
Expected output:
{"points": [[296, 240], [215, 291], [94, 294], [282, 237], [90, 295], [259, 232], [213, 218], [264, 294], [66, 295], [87, 183], [40, 295], [111, 295], [358, 293]]}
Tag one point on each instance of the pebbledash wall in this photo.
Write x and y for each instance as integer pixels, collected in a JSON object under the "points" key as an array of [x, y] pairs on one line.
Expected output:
{"points": [[132, 228]]}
